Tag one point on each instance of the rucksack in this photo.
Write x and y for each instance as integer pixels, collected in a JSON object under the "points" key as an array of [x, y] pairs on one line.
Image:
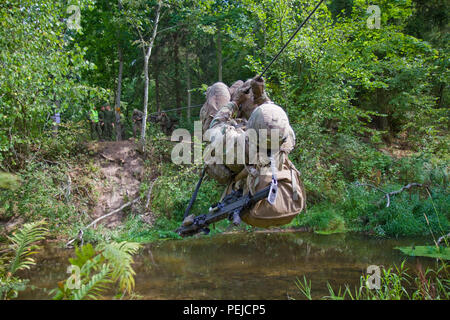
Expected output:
{"points": [[290, 201]]}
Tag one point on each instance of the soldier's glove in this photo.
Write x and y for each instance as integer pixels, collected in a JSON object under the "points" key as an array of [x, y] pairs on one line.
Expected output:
{"points": [[259, 95]]}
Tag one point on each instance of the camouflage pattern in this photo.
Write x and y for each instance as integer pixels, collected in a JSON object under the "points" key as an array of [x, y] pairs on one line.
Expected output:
{"points": [[137, 117], [217, 96], [109, 118]]}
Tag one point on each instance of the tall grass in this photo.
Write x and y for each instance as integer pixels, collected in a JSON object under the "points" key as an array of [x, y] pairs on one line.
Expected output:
{"points": [[396, 283]]}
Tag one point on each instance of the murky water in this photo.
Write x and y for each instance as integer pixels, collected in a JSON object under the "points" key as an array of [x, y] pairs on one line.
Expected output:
{"points": [[241, 266]]}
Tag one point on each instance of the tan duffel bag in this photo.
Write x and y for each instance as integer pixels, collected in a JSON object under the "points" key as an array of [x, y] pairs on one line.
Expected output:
{"points": [[290, 201]]}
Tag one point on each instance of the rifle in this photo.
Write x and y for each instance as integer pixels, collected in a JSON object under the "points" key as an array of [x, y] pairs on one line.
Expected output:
{"points": [[231, 208]]}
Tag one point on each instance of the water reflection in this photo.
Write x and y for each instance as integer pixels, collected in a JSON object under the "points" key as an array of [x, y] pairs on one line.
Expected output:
{"points": [[240, 266]]}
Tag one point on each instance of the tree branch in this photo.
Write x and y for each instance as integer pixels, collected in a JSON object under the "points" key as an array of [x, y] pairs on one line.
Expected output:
{"points": [[388, 195], [80, 234]]}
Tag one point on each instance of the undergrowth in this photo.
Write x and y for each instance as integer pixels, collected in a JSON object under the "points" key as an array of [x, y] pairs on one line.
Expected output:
{"points": [[58, 184]]}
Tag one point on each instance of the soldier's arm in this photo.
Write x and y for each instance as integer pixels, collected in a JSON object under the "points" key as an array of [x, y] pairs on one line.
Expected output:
{"points": [[224, 114], [259, 95]]}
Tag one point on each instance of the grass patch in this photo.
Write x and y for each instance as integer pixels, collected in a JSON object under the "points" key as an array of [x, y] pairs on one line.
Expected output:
{"points": [[410, 214]]}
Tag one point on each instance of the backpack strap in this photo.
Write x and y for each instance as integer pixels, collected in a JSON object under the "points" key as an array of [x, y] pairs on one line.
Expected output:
{"points": [[294, 186], [271, 198]]}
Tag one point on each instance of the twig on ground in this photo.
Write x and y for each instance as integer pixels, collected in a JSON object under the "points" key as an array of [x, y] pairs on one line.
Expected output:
{"points": [[121, 161], [106, 157], [51, 162], [101, 218], [113, 212]]}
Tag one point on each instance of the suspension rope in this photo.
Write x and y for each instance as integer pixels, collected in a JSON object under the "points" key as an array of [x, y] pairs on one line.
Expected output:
{"points": [[182, 108], [292, 37]]}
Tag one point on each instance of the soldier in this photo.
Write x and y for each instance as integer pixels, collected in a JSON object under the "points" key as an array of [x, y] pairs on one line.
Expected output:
{"points": [[109, 123], [167, 124], [95, 125], [137, 121]]}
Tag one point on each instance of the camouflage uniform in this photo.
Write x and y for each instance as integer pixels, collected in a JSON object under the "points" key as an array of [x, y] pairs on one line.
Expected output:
{"points": [[137, 117], [167, 124], [109, 124], [101, 120]]}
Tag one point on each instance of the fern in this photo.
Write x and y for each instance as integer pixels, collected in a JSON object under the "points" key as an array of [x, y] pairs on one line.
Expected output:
{"points": [[22, 245], [119, 256], [83, 254], [95, 286], [111, 261], [23, 242]]}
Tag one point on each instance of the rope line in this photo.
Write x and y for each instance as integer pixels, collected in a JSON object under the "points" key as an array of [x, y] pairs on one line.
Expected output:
{"points": [[270, 64], [292, 37], [182, 108]]}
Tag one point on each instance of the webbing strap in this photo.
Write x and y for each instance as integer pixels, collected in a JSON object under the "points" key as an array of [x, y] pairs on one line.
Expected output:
{"points": [[272, 197], [294, 186], [273, 167]]}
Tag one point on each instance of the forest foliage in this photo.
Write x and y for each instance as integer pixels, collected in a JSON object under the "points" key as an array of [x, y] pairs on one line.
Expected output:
{"points": [[351, 93]]}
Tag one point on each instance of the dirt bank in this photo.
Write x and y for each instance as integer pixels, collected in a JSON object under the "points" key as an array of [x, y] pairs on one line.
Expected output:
{"points": [[121, 172]]}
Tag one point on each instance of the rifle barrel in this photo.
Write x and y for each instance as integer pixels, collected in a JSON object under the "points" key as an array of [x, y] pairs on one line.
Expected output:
{"points": [[201, 222]]}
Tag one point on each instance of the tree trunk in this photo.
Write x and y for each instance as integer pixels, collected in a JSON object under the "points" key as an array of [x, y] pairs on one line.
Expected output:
{"points": [[118, 96], [265, 39], [219, 53], [441, 96], [144, 118], [156, 70], [146, 59], [176, 60], [188, 71], [281, 33]]}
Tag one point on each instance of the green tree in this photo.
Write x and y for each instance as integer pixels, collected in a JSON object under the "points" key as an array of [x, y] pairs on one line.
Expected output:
{"points": [[41, 65]]}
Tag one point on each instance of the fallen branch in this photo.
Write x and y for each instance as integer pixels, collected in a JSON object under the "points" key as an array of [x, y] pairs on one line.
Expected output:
{"points": [[113, 212], [121, 161], [80, 233], [388, 195], [51, 162]]}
